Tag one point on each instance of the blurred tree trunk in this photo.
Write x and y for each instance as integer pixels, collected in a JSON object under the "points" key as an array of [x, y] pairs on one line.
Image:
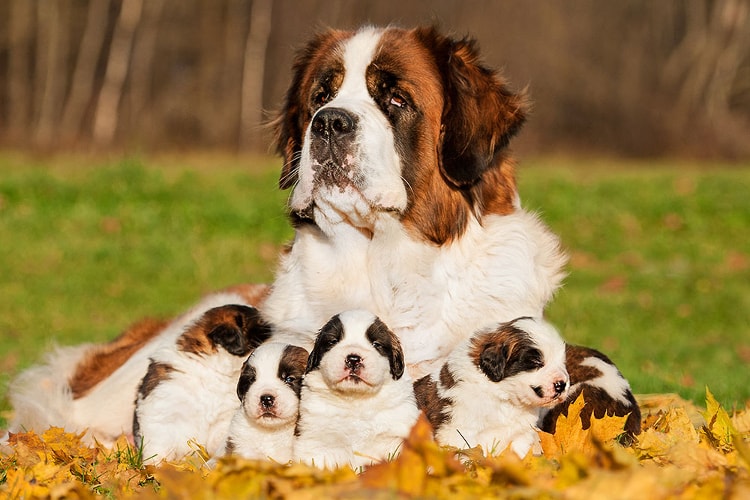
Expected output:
{"points": [[21, 23], [234, 48], [141, 74], [704, 65], [107, 108], [53, 26], [210, 64], [84, 75], [251, 116]]}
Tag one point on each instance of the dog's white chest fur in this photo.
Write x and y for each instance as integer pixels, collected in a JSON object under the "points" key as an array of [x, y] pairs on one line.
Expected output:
{"points": [[431, 297], [336, 430]]}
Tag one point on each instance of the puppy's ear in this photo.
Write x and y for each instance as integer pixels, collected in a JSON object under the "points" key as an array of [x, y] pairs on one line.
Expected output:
{"points": [[397, 363], [492, 361], [480, 114], [328, 336], [240, 329], [247, 377], [388, 345]]}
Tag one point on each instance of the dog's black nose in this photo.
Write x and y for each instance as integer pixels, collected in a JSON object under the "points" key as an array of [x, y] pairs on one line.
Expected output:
{"points": [[332, 123], [560, 387], [353, 360], [266, 400]]}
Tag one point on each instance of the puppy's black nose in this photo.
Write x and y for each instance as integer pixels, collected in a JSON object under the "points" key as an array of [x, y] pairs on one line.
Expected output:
{"points": [[332, 123], [560, 387], [353, 361], [266, 400]]}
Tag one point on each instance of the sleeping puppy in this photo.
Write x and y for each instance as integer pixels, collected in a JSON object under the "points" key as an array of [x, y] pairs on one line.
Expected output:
{"points": [[188, 392], [269, 386], [605, 392], [492, 387], [357, 404]]}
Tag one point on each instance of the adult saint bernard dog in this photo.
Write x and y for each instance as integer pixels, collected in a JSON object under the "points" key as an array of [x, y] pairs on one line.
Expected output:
{"points": [[404, 201], [395, 146]]}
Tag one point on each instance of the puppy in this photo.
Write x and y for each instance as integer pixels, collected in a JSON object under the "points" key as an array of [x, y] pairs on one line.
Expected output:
{"points": [[492, 387], [188, 392], [357, 405], [269, 388], [605, 392], [92, 388]]}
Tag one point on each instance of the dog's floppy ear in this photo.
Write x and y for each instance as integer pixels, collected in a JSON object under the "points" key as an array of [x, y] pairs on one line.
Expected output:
{"points": [[388, 345], [492, 361], [289, 124], [481, 114], [240, 330], [247, 377], [328, 336]]}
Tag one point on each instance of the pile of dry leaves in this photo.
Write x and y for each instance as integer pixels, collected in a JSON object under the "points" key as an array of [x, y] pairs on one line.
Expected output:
{"points": [[683, 452]]}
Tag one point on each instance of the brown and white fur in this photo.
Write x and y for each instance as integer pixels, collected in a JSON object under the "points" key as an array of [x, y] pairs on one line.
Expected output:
{"points": [[269, 391], [605, 392], [357, 404], [403, 194], [492, 388], [93, 387], [404, 201], [189, 390]]}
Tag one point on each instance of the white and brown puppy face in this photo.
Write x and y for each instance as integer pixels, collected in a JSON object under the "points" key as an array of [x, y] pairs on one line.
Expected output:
{"points": [[397, 121], [526, 357], [355, 353], [270, 382]]}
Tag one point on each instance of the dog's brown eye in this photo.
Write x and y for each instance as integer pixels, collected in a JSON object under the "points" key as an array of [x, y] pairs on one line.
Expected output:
{"points": [[321, 97], [398, 101], [290, 379]]}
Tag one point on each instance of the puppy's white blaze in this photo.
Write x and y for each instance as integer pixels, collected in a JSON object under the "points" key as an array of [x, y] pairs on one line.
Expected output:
{"points": [[357, 320], [549, 341], [610, 379]]}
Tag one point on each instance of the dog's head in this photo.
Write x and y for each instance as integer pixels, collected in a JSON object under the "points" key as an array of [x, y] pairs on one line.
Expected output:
{"points": [[402, 122], [356, 353], [270, 382], [237, 329], [526, 358]]}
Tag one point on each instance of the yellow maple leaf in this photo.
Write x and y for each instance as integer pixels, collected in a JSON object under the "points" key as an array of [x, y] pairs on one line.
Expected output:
{"points": [[719, 429], [420, 459], [741, 420], [570, 436], [671, 427]]}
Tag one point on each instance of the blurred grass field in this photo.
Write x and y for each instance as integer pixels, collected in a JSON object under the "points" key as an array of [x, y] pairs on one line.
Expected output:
{"points": [[659, 277]]}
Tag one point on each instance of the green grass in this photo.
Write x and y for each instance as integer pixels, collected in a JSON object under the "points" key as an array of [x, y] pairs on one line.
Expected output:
{"points": [[660, 270], [659, 276]]}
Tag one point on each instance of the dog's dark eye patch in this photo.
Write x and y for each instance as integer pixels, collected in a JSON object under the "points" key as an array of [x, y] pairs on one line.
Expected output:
{"points": [[328, 336], [505, 352], [247, 377], [326, 86], [525, 359], [390, 94], [292, 367]]}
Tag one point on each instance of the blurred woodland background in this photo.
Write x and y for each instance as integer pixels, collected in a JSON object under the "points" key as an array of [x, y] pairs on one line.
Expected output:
{"points": [[639, 78]]}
